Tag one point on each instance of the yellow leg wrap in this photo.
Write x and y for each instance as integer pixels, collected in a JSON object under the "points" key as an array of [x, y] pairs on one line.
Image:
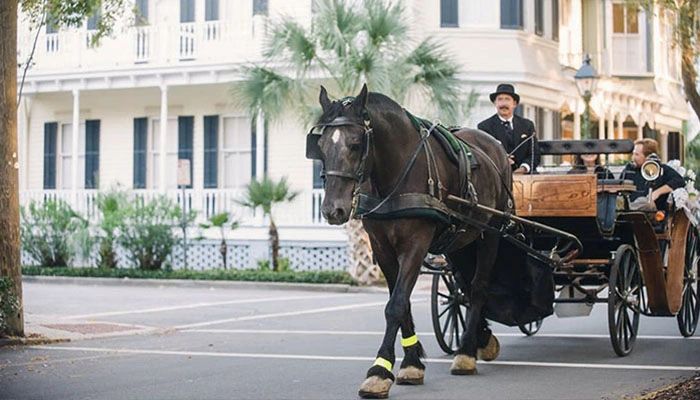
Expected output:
{"points": [[383, 362], [409, 341]]}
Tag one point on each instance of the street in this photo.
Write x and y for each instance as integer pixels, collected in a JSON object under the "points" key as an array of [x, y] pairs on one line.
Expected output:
{"points": [[198, 342]]}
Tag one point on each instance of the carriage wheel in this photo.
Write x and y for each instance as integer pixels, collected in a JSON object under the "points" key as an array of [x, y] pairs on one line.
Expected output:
{"points": [[531, 328], [690, 306], [449, 311], [624, 287]]}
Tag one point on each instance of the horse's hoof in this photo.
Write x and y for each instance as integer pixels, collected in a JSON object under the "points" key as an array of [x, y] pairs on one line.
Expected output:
{"points": [[410, 376], [375, 387], [463, 365], [491, 351]]}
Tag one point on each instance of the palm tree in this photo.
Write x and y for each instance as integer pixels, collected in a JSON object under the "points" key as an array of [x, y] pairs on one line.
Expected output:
{"points": [[220, 221], [348, 46], [265, 194]]}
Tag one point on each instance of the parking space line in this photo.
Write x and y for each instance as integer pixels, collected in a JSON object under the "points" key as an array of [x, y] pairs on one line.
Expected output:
{"points": [[364, 359], [287, 314], [380, 333], [200, 305]]}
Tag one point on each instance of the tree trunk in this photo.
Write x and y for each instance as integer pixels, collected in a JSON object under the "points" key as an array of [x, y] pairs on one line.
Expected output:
{"points": [[223, 249], [689, 76], [362, 266], [9, 164], [275, 242]]}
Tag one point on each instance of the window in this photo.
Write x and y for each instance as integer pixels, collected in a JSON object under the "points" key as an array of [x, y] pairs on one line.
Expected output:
{"points": [[94, 20], [511, 14], [141, 12], [625, 19], [185, 130], [211, 148], [236, 152], [171, 154], [51, 24], [186, 11], [50, 129], [140, 146], [65, 156], [211, 10], [92, 154], [449, 14], [674, 146], [539, 17], [260, 7], [317, 180]]}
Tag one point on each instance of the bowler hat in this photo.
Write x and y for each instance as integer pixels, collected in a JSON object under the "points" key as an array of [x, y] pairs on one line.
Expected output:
{"points": [[505, 88]]}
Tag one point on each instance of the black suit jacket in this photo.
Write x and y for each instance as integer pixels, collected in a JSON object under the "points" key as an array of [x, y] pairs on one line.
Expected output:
{"points": [[523, 129]]}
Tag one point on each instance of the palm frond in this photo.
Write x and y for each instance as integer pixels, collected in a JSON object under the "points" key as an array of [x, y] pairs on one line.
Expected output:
{"points": [[384, 22], [265, 193], [263, 90], [290, 40], [336, 24]]}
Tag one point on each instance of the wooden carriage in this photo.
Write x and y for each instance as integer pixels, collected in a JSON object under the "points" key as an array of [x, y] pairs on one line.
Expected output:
{"points": [[637, 262]]}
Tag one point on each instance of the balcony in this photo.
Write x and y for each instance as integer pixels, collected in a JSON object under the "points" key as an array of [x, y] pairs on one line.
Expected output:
{"points": [[157, 45], [305, 211]]}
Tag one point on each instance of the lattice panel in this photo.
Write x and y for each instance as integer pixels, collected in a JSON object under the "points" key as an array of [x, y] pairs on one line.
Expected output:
{"points": [[362, 266], [312, 258]]}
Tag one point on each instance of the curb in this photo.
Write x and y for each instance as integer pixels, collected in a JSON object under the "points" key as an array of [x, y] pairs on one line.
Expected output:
{"points": [[30, 341], [187, 283]]}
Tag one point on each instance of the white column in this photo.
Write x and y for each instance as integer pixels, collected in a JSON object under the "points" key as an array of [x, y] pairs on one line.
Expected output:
{"points": [[577, 124], [75, 136], [620, 128], [611, 127], [601, 125], [163, 137], [640, 128], [260, 141], [23, 141]]}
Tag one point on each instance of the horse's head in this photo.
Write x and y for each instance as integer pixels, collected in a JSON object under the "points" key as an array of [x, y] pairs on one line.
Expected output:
{"points": [[341, 140]]}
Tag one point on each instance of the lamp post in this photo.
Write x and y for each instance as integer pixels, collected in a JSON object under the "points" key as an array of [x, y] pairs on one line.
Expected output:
{"points": [[586, 79]]}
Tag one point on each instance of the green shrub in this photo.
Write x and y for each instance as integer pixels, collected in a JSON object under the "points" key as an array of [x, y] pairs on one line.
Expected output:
{"points": [[113, 206], [340, 277], [147, 235], [9, 304], [53, 233]]}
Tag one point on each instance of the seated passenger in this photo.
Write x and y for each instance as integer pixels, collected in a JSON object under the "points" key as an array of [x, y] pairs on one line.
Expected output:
{"points": [[668, 180], [590, 164]]}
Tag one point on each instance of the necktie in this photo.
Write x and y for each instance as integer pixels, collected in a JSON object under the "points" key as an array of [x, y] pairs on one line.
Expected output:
{"points": [[506, 124]]}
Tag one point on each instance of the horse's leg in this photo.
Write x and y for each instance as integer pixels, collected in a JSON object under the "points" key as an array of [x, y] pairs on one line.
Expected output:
{"points": [[412, 370], [464, 362], [411, 251]]}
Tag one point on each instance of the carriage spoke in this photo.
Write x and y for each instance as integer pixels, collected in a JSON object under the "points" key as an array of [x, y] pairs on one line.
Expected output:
{"points": [[448, 306]]}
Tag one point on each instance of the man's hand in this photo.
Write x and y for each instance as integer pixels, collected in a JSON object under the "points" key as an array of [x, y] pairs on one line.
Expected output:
{"points": [[520, 171]]}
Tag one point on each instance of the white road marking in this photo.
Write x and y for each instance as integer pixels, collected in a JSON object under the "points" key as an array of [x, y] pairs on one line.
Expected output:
{"points": [[364, 359], [420, 334], [287, 314], [199, 305]]}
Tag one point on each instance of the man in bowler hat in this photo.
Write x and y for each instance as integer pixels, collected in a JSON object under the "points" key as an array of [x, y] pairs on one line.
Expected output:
{"points": [[517, 134]]}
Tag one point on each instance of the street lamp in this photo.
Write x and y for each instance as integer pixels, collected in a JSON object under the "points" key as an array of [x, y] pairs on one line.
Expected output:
{"points": [[586, 79]]}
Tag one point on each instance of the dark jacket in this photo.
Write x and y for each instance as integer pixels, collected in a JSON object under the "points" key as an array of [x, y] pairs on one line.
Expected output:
{"points": [[668, 177], [523, 129]]}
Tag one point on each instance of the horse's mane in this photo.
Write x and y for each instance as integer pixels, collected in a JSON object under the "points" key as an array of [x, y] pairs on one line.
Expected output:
{"points": [[375, 102]]}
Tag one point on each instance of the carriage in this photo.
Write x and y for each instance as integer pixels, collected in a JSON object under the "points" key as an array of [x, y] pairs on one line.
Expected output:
{"points": [[638, 262]]}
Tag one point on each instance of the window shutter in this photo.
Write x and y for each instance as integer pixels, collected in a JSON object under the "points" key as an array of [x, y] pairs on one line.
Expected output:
{"points": [[50, 131], [211, 147], [185, 127], [140, 140], [92, 154]]}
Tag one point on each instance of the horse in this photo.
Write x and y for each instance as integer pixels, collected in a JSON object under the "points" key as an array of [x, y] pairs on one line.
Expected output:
{"points": [[370, 144]]}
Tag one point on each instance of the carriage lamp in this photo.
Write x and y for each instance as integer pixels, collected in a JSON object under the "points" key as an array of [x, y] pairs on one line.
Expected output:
{"points": [[586, 79], [651, 170]]}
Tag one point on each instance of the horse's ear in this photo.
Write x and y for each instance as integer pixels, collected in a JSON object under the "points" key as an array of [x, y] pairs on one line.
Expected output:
{"points": [[361, 99], [323, 99]]}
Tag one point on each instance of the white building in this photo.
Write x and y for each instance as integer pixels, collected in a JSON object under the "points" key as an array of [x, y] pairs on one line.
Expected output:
{"points": [[177, 65]]}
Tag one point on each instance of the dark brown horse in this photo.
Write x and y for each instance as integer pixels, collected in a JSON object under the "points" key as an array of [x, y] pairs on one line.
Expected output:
{"points": [[369, 144]]}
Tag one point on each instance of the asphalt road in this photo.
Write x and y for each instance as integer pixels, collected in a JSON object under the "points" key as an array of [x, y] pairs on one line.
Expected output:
{"points": [[136, 342]]}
